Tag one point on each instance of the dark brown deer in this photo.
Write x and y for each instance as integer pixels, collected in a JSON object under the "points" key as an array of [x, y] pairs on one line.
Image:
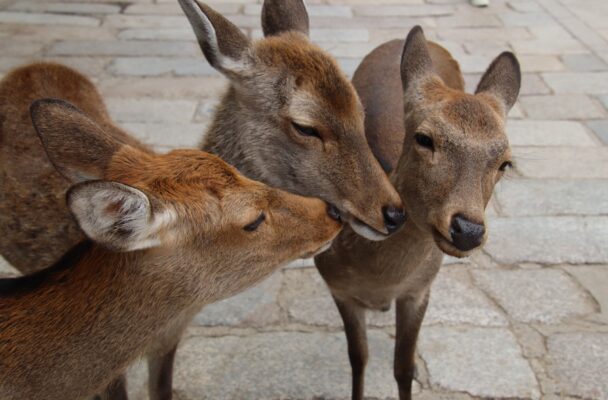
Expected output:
{"points": [[167, 235], [445, 150]]}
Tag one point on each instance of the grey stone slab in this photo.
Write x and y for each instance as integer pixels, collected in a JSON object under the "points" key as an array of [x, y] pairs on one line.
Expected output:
{"points": [[151, 110], [604, 100], [314, 10], [548, 133], [125, 48], [6, 269], [495, 35], [9, 17], [49, 33], [577, 82], [405, 11], [157, 34], [523, 197], [484, 362], [257, 306], [579, 363], [154, 66], [282, 365], [533, 84], [594, 278], [540, 63], [562, 162], [584, 62], [173, 8], [526, 19], [550, 240], [600, 128], [167, 135], [561, 106], [16, 47], [456, 300], [164, 87], [545, 296], [65, 7], [123, 21]]}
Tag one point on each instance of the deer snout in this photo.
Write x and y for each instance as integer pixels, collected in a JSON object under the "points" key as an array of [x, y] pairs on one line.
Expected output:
{"points": [[394, 218], [466, 234]]}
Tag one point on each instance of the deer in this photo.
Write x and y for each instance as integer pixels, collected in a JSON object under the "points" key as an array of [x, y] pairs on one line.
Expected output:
{"points": [[290, 118], [444, 151], [165, 235]]}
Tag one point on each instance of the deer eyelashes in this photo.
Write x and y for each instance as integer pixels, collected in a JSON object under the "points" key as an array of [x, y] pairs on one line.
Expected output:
{"points": [[306, 130], [255, 224], [425, 141]]}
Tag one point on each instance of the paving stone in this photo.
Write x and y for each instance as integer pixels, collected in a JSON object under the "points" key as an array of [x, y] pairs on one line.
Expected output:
{"points": [[493, 35], [125, 48], [546, 296], [206, 110], [318, 35], [154, 66], [6, 269], [579, 362], [539, 63], [339, 11], [65, 8], [522, 197], [533, 84], [482, 362], [562, 162], [405, 11], [7, 17], [173, 8], [157, 34], [167, 135], [604, 100], [282, 365], [48, 33], [348, 50], [548, 46], [468, 21], [257, 306], [145, 21], [19, 47], [600, 127], [455, 300], [524, 6], [548, 133], [594, 278], [561, 106], [574, 82], [552, 240], [150, 110], [168, 88], [584, 62]]}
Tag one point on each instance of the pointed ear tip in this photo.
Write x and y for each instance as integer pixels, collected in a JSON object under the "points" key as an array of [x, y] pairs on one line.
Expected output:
{"points": [[42, 104]]}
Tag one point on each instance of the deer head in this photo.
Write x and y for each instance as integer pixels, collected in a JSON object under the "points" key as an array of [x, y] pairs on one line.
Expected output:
{"points": [[455, 148], [127, 199], [291, 118]]}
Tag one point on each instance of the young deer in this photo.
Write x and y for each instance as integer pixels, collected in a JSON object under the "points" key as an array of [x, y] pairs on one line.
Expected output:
{"points": [[168, 234], [446, 150]]}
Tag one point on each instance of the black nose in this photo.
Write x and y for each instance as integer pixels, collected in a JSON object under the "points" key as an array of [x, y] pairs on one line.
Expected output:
{"points": [[394, 218], [466, 235], [333, 212]]}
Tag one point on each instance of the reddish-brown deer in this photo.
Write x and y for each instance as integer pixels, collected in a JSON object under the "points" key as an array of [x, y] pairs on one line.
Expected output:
{"points": [[445, 150], [168, 234]]}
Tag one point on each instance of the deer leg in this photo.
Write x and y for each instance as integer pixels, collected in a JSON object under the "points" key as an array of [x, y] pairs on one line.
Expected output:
{"points": [[160, 372], [116, 390], [353, 317], [410, 313]]}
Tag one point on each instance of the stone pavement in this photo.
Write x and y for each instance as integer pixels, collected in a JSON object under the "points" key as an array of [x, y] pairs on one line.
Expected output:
{"points": [[525, 318]]}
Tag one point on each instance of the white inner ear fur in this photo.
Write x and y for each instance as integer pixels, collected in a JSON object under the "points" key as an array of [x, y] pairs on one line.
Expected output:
{"points": [[120, 217], [208, 32], [302, 107]]}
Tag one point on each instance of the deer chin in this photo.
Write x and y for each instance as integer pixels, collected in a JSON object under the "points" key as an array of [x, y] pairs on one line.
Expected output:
{"points": [[320, 250], [365, 230], [448, 247]]}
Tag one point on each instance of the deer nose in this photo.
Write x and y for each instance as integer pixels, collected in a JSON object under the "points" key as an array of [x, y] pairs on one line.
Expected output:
{"points": [[394, 218], [466, 235]]}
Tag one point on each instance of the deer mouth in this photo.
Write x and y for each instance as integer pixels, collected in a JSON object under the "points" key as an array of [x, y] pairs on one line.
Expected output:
{"points": [[362, 229], [447, 246]]}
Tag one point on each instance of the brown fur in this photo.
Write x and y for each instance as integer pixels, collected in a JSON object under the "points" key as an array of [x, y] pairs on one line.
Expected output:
{"points": [[421, 94], [68, 331], [35, 225]]}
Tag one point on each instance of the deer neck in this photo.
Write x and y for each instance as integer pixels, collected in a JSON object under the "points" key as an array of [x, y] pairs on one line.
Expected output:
{"points": [[230, 136]]}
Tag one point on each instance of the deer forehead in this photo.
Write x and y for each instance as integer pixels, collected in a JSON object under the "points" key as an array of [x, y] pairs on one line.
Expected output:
{"points": [[313, 70]]}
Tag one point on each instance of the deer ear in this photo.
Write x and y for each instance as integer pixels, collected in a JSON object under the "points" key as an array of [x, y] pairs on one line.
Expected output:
{"points": [[78, 148], [416, 63], [222, 43], [114, 215], [502, 80], [280, 16]]}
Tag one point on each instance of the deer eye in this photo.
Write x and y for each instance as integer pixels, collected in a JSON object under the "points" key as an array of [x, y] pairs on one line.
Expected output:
{"points": [[507, 164], [425, 141], [306, 130], [255, 224]]}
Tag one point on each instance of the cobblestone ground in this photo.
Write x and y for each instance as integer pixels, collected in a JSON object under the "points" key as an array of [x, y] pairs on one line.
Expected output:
{"points": [[525, 318]]}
